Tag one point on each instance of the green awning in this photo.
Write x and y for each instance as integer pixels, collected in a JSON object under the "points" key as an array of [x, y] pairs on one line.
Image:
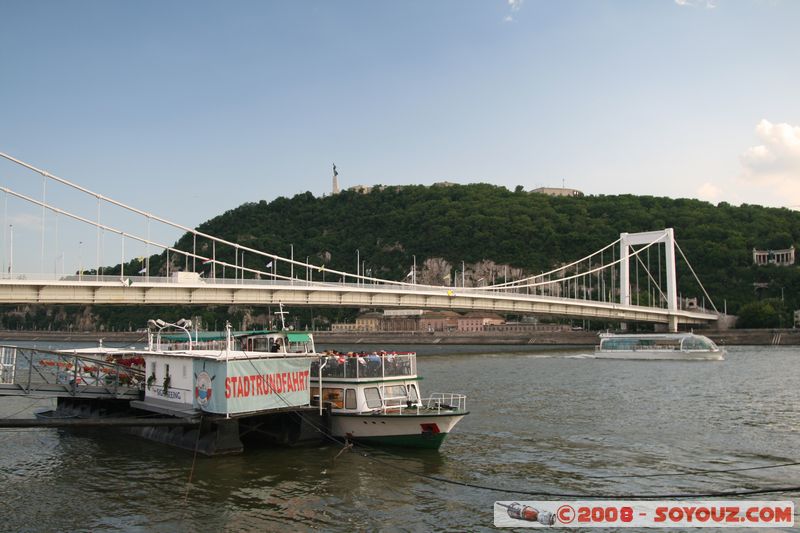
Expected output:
{"points": [[202, 336], [298, 337]]}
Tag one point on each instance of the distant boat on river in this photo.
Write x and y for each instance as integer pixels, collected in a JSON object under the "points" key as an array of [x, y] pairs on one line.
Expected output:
{"points": [[658, 347]]}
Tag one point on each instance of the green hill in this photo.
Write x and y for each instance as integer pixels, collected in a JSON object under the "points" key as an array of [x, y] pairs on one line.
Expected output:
{"points": [[533, 232]]}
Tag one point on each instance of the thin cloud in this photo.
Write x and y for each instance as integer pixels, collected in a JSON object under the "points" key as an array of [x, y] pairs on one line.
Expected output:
{"points": [[514, 6], [709, 192], [708, 4], [775, 163]]}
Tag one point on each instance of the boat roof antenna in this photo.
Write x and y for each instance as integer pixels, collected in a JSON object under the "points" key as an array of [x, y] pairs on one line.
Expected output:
{"points": [[281, 313]]}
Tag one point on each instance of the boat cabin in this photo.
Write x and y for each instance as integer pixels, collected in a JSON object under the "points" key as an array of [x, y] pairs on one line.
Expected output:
{"points": [[679, 342], [365, 382], [229, 372]]}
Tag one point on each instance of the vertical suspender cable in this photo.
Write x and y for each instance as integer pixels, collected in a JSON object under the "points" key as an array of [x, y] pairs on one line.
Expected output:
{"points": [[98, 238], [44, 211], [58, 246], [147, 252], [5, 229], [637, 282]]}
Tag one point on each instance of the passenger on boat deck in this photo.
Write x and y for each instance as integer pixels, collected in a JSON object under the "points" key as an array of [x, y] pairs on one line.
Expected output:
{"points": [[373, 358], [277, 346]]}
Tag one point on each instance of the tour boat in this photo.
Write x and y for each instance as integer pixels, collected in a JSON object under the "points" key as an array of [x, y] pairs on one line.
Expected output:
{"points": [[375, 399], [658, 346]]}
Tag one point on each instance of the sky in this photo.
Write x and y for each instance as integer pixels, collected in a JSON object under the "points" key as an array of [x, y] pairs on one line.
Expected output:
{"points": [[189, 109]]}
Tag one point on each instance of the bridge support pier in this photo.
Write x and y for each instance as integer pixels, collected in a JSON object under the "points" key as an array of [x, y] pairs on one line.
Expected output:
{"points": [[673, 324]]}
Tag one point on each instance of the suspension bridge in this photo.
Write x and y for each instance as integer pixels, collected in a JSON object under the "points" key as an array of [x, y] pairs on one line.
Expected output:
{"points": [[630, 280]]}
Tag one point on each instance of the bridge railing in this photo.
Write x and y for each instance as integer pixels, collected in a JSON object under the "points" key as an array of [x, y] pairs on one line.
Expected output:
{"points": [[297, 282], [127, 280], [363, 365]]}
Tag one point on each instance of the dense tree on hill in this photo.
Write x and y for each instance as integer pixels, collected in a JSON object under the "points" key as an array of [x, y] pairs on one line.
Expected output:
{"points": [[532, 232]]}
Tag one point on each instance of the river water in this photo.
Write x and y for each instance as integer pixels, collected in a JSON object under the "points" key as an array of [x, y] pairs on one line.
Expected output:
{"points": [[541, 420]]}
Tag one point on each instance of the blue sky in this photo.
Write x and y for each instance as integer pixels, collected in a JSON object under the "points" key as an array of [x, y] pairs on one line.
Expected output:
{"points": [[188, 109]]}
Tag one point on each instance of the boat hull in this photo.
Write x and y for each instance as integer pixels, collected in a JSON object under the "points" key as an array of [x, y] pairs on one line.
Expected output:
{"points": [[402, 430], [661, 355]]}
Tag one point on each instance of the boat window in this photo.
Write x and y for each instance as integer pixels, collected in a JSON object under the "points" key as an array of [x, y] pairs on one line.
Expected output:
{"points": [[260, 344], [412, 393], [698, 343], [373, 397], [638, 343], [395, 395], [350, 399], [333, 396], [183, 370]]}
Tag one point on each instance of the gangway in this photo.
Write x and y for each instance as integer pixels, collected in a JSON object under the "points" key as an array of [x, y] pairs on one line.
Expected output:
{"points": [[63, 374]]}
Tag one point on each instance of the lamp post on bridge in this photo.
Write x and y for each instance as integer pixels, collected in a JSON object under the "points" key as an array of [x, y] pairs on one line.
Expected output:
{"points": [[11, 251], [358, 265]]}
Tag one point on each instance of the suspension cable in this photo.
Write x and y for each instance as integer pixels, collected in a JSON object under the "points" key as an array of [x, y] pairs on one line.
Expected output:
{"points": [[696, 278], [185, 228], [516, 282], [647, 271]]}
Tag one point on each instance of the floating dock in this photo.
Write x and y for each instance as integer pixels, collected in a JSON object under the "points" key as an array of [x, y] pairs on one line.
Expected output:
{"points": [[103, 388]]}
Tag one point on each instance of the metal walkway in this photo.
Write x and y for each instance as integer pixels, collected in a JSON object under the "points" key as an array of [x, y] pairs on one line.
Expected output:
{"points": [[50, 374]]}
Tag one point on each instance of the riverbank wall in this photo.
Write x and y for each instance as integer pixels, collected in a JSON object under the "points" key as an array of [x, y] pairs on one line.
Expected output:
{"points": [[747, 337], [111, 338]]}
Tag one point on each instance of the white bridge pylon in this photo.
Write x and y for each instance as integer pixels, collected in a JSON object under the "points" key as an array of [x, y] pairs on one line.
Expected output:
{"points": [[600, 286], [626, 242]]}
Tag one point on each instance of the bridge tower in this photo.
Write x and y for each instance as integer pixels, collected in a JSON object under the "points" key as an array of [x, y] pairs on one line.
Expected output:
{"points": [[626, 240]]}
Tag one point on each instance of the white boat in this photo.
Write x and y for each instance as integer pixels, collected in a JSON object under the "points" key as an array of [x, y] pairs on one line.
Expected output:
{"points": [[658, 346], [375, 398]]}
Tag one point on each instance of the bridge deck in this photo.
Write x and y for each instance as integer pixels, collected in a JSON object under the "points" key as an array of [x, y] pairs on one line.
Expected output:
{"points": [[107, 290]]}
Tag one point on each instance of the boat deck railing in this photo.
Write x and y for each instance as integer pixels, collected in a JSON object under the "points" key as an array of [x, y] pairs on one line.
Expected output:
{"points": [[438, 402], [25, 371], [365, 366], [449, 401]]}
